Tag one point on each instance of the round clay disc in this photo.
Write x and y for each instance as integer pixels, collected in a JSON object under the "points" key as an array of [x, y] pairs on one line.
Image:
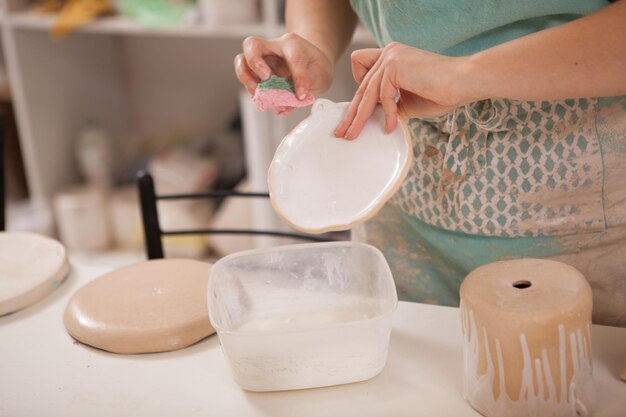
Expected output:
{"points": [[152, 306], [31, 267]]}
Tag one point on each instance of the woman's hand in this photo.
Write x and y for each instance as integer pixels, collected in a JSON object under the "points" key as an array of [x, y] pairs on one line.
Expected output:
{"points": [[425, 85], [288, 56]]}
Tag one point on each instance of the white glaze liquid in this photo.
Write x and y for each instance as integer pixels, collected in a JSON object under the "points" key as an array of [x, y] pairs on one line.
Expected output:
{"points": [[575, 398], [308, 350], [306, 320]]}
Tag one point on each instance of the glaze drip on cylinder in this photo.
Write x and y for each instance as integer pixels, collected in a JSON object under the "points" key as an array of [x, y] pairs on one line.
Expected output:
{"points": [[527, 348], [538, 395]]}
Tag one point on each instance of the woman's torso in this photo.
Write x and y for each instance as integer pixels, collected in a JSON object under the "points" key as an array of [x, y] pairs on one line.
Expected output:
{"points": [[551, 173]]}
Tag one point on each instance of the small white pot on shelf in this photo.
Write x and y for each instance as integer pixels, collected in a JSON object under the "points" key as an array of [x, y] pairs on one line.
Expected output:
{"points": [[220, 13]]}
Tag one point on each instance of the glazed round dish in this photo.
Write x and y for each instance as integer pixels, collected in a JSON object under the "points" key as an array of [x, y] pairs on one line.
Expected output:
{"points": [[320, 183]]}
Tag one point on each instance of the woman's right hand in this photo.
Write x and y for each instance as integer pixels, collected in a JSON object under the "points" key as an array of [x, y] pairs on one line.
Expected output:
{"points": [[287, 56]]}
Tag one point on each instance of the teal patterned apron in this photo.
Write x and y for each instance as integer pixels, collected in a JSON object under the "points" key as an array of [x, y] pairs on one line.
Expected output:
{"points": [[502, 179]]}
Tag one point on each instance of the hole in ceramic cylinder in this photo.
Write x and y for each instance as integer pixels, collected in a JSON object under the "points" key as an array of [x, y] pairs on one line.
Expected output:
{"points": [[522, 284]]}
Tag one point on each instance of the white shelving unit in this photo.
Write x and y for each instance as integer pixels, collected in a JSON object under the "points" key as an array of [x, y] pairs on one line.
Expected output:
{"points": [[143, 85], [117, 25]]}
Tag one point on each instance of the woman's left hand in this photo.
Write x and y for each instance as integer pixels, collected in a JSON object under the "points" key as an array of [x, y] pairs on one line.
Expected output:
{"points": [[426, 84]]}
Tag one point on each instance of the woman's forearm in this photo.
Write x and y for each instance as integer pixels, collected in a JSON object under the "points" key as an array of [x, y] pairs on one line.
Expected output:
{"points": [[583, 58], [328, 24]]}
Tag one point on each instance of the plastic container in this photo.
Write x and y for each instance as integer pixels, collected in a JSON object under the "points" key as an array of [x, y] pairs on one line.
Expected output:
{"points": [[82, 218], [303, 316]]}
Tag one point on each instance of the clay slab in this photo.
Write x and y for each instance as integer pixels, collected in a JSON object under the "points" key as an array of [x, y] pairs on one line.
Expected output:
{"points": [[31, 267], [152, 306]]}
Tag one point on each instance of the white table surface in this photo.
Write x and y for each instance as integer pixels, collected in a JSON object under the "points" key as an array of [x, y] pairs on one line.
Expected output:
{"points": [[44, 372]]}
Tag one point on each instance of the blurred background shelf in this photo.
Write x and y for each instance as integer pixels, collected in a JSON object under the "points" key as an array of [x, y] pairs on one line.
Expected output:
{"points": [[119, 25], [147, 87]]}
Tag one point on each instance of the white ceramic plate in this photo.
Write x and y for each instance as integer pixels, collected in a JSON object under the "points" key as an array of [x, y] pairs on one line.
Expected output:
{"points": [[319, 183], [31, 267]]}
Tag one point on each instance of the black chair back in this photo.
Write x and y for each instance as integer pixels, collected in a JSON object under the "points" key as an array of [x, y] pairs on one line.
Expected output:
{"points": [[2, 189], [150, 217]]}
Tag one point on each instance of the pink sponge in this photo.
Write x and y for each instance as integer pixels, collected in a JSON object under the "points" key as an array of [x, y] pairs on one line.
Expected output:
{"points": [[277, 94]]}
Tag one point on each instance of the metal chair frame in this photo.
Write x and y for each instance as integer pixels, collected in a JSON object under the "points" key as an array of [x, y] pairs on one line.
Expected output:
{"points": [[152, 229], [2, 184]]}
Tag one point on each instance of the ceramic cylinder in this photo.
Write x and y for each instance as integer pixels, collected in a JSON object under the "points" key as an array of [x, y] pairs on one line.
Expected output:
{"points": [[526, 335]]}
